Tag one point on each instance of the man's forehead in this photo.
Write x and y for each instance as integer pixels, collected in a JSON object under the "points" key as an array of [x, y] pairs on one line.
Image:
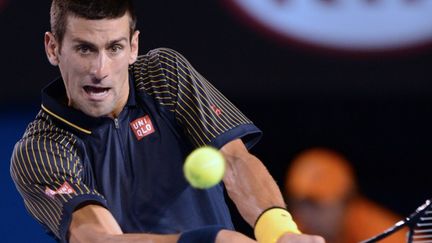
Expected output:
{"points": [[108, 30]]}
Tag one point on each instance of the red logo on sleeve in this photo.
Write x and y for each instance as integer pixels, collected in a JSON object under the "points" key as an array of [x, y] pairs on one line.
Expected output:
{"points": [[64, 189], [216, 110], [142, 127]]}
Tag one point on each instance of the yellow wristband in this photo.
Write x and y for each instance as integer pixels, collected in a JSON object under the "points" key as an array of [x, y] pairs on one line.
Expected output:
{"points": [[272, 224]]}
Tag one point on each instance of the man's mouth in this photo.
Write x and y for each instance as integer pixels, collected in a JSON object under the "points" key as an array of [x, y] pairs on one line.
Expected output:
{"points": [[96, 92]]}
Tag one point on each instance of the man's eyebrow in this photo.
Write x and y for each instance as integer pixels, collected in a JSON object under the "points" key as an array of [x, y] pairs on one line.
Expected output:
{"points": [[81, 41], [118, 40]]}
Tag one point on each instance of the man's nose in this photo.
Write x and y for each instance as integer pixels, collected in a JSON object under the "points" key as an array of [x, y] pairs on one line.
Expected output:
{"points": [[99, 69]]}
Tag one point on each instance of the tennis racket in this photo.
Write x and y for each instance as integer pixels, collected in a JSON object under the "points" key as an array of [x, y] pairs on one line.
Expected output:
{"points": [[419, 223]]}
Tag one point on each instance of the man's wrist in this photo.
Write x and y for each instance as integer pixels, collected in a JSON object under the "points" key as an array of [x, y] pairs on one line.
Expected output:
{"points": [[203, 234], [273, 223]]}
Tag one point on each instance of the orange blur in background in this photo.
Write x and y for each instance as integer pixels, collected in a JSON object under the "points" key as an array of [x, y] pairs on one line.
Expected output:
{"points": [[322, 196]]}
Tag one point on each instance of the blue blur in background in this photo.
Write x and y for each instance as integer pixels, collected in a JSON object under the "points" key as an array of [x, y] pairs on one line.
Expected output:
{"points": [[17, 224]]}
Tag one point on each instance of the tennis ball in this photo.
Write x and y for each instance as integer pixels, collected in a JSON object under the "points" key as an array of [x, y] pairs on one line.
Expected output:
{"points": [[204, 167]]}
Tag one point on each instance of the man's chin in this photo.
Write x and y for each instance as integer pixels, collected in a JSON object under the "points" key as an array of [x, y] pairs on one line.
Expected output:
{"points": [[96, 112], [95, 109]]}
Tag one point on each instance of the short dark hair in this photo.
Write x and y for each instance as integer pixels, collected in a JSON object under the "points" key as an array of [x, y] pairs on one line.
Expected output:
{"points": [[88, 9]]}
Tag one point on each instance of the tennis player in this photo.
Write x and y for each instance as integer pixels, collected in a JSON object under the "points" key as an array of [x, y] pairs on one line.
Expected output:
{"points": [[102, 161]]}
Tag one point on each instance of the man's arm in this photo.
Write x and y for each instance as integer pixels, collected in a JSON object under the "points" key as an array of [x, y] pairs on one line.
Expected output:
{"points": [[252, 188], [94, 223], [248, 182]]}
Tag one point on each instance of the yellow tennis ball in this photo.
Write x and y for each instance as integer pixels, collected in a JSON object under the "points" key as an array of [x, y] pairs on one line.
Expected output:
{"points": [[204, 167]]}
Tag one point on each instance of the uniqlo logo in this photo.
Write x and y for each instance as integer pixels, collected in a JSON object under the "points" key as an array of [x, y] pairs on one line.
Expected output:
{"points": [[142, 127], [64, 189]]}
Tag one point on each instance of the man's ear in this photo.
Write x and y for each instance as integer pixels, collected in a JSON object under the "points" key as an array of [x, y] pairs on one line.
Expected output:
{"points": [[51, 48], [134, 47]]}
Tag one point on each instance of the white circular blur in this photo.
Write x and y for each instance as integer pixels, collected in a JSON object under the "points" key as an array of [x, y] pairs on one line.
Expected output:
{"points": [[346, 24]]}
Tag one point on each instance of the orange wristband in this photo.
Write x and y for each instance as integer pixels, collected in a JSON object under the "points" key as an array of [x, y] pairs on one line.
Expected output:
{"points": [[272, 224]]}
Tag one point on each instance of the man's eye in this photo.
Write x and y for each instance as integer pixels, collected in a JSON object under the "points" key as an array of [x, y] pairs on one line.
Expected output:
{"points": [[84, 49], [116, 48]]}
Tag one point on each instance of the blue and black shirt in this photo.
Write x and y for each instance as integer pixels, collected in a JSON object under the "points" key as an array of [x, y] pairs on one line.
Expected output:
{"points": [[132, 165]]}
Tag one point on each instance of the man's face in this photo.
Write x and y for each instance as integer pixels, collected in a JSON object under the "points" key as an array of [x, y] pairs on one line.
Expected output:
{"points": [[93, 61]]}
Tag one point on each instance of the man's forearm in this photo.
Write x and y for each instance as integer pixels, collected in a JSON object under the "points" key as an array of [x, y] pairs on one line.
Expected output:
{"points": [[248, 183], [94, 223], [124, 238]]}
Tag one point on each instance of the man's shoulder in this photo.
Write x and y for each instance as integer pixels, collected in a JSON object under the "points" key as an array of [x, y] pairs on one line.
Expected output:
{"points": [[156, 64], [163, 51], [44, 128], [158, 55]]}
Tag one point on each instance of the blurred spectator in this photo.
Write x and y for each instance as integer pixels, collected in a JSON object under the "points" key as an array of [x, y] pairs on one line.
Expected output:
{"points": [[322, 195]]}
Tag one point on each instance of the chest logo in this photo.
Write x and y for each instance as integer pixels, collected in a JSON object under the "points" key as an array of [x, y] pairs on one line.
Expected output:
{"points": [[142, 127]]}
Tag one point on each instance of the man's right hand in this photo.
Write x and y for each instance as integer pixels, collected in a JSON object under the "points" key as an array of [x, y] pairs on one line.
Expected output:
{"points": [[300, 238], [228, 236]]}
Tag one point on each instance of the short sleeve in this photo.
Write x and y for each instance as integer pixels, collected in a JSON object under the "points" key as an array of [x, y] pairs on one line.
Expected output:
{"points": [[205, 114], [48, 173]]}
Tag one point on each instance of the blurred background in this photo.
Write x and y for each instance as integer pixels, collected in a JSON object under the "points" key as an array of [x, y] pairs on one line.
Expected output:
{"points": [[353, 76]]}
